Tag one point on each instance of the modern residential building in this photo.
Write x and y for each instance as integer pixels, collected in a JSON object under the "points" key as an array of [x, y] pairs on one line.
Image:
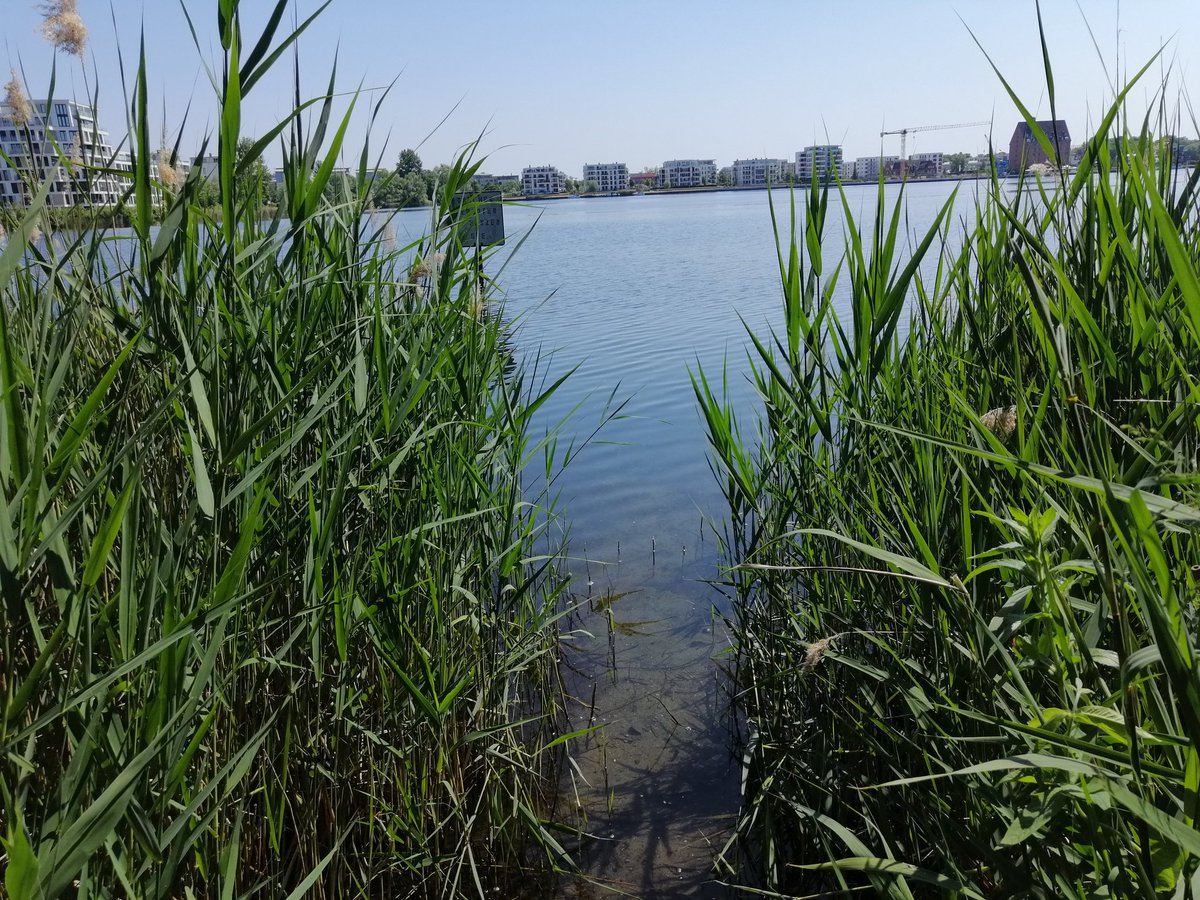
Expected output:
{"points": [[607, 176], [30, 144], [542, 180], [1024, 150], [821, 159], [925, 164], [846, 170], [650, 178], [867, 168], [748, 172], [678, 173], [209, 166], [483, 180]]}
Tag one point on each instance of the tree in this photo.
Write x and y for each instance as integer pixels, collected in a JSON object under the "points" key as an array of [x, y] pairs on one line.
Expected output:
{"points": [[339, 188], [255, 181], [724, 177], [956, 163], [435, 179], [400, 191], [408, 163]]}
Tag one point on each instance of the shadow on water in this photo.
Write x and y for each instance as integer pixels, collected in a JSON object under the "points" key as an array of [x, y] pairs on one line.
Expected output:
{"points": [[656, 785]]}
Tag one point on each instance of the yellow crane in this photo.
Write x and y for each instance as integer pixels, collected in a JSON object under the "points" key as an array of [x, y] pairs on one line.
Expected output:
{"points": [[905, 132]]}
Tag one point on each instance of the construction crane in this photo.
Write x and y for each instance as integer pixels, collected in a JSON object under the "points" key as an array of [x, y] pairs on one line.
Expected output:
{"points": [[905, 132]]}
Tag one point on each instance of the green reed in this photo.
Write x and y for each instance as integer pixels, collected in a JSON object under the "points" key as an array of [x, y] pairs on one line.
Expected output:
{"points": [[273, 623], [965, 554]]}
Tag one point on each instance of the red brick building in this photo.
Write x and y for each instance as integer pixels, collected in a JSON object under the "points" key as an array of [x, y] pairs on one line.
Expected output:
{"points": [[1024, 150]]}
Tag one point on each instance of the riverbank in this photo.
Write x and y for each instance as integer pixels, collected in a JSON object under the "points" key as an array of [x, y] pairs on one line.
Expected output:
{"points": [[715, 188]]}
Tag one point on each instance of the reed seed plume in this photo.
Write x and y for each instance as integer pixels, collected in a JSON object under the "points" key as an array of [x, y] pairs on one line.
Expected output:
{"points": [[19, 107], [170, 176], [1001, 421], [816, 652], [63, 27]]}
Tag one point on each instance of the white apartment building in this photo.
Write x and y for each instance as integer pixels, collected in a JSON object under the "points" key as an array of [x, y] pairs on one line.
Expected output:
{"points": [[689, 172], [757, 171], [607, 176], [867, 168], [31, 147], [846, 170], [484, 180], [542, 180], [209, 166], [823, 159]]}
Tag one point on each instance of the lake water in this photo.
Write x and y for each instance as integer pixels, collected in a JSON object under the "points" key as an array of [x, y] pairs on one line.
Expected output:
{"points": [[635, 291]]}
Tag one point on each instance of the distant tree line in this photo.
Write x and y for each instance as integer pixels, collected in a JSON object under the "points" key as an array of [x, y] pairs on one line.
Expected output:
{"points": [[1184, 151]]}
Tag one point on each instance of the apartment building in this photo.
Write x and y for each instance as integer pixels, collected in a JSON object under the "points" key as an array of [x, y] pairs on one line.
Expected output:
{"points": [[209, 166], [484, 180], [1024, 149], [821, 159], [607, 176], [867, 168], [678, 173], [750, 172], [30, 145], [542, 180]]}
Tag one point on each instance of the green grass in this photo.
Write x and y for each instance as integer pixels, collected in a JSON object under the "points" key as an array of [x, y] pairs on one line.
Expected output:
{"points": [[966, 639], [273, 622]]}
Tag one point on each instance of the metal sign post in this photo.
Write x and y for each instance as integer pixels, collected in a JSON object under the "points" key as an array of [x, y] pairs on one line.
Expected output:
{"points": [[478, 219]]}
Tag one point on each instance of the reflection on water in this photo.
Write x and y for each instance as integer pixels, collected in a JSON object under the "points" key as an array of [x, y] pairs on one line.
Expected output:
{"points": [[635, 291]]}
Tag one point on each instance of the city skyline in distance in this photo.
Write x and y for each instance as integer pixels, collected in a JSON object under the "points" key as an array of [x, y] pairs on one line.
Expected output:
{"points": [[565, 87]]}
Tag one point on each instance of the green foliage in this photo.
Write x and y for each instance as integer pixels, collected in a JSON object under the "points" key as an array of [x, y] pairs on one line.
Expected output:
{"points": [[272, 621], [964, 551], [956, 163], [253, 183], [409, 163]]}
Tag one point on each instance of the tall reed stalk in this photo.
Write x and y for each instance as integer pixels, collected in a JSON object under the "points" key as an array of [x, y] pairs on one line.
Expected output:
{"points": [[965, 554], [272, 624]]}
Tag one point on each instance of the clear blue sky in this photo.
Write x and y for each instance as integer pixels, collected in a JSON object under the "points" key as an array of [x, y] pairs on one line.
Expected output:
{"points": [[640, 82]]}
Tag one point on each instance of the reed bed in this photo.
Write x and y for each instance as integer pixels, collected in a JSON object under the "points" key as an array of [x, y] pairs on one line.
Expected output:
{"points": [[965, 554], [273, 622]]}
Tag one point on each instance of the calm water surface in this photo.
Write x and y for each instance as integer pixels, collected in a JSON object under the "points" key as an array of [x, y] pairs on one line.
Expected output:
{"points": [[635, 291]]}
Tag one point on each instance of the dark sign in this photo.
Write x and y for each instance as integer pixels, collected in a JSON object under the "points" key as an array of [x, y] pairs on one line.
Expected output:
{"points": [[479, 218]]}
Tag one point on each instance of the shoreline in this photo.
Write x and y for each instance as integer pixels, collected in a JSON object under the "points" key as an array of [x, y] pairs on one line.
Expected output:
{"points": [[722, 188]]}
